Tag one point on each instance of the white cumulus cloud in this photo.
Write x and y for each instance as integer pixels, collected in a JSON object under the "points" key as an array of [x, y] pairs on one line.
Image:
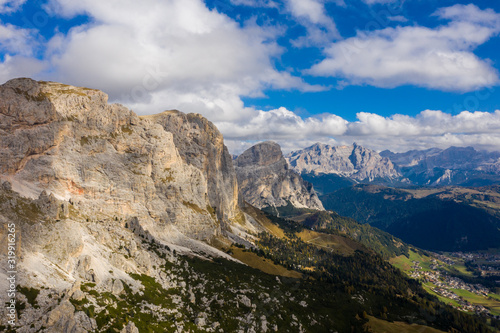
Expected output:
{"points": [[439, 58], [321, 29], [282, 124], [429, 128], [18, 46], [141, 52], [9, 6], [15, 40]]}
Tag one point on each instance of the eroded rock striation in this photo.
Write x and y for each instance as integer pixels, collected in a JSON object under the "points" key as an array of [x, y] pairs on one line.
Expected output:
{"points": [[170, 169], [266, 180], [354, 162], [91, 187], [200, 144]]}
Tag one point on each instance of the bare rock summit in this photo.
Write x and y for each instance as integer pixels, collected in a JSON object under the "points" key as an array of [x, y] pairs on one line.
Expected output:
{"points": [[266, 180]]}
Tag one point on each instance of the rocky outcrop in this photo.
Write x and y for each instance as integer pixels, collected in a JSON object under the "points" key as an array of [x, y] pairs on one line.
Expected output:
{"points": [[266, 180], [354, 162]]}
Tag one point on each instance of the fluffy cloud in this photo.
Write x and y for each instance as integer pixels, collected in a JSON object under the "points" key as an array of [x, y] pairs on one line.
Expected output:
{"points": [[282, 124], [9, 6], [438, 58], [18, 46], [143, 52], [19, 66], [428, 129], [321, 29], [470, 13], [14, 40], [426, 123]]}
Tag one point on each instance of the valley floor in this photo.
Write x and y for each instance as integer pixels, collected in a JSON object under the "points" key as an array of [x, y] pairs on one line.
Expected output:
{"points": [[443, 275]]}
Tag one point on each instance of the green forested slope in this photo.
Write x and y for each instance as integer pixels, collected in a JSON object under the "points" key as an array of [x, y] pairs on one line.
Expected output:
{"points": [[430, 222]]}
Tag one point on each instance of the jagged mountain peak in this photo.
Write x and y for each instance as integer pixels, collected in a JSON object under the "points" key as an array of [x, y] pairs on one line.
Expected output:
{"points": [[352, 161], [318, 146]]}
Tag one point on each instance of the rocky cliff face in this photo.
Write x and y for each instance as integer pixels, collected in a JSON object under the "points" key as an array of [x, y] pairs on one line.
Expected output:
{"points": [[353, 161], [71, 143], [200, 144], [87, 184], [266, 180], [452, 166]]}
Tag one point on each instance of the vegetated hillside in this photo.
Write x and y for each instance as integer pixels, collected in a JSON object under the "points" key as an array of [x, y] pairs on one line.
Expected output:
{"points": [[486, 197], [167, 289], [329, 222], [326, 183], [429, 222], [369, 281]]}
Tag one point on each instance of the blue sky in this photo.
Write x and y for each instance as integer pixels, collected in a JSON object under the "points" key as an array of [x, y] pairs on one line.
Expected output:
{"points": [[387, 74]]}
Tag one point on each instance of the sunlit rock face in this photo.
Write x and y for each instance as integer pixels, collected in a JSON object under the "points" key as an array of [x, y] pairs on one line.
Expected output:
{"points": [[171, 168], [353, 161], [97, 193]]}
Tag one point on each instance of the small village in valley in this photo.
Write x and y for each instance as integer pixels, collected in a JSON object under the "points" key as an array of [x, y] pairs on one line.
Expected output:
{"points": [[439, 275]]}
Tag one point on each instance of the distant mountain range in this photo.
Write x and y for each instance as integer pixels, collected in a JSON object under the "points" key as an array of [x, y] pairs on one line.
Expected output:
{"points": [[330, 168], [352, 180], [452, 166], [354, 162]]}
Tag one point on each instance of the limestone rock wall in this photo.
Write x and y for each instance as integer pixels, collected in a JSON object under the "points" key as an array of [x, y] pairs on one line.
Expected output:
{"points": [[200, 144], [172, 169], [266, 180]]}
